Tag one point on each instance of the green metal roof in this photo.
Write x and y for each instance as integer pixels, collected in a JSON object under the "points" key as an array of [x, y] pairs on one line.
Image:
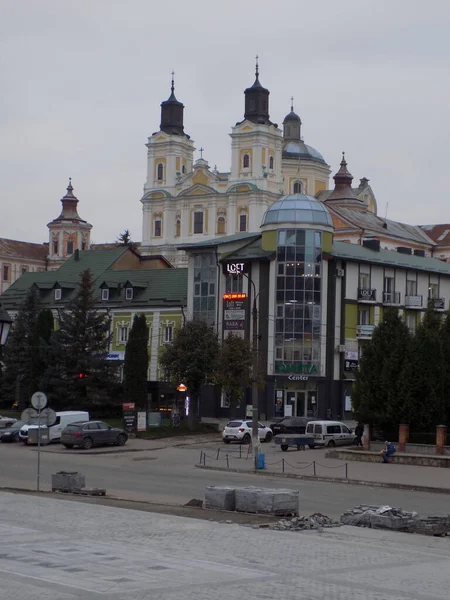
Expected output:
{"points": [[356, 252], [97, 261], [251, 251]]}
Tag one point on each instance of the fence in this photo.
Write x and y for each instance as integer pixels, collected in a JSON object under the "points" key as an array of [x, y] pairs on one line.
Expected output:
{"points": [[281, 465]]}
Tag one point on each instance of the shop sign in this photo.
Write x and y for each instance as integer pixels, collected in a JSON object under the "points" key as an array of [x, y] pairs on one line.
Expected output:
{"points": [[350, 365], [129, 417], [235, 268], [234, 325], [299, 368], [120, 355], [298, 377], [234, 311]]}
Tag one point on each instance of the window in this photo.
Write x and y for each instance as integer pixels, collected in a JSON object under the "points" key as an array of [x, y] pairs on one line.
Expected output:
{"points": [[122, 335], [183, 169], [158, 228], [363, 316], [105, 294], [389, 286], [234, 283], [298, 187], [221, 225], [160, 172], [246, 161], [433, 291], [168, 334], [364, 281], [55, 247], [243, 222], [205, 278], [411, 322], [333, 429], [198, 222], [83, 244], [271, 163], [129, 293], [70, 247], [57, 294], [5, 272], [24, 269], [317, 428], [411, 287], [178, 228]]}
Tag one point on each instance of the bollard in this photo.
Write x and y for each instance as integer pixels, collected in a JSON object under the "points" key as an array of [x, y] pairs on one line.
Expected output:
{"points": [[201, 456], [346, 470], [218, 452], [228, 464], [240, 451], [441, 438], [282, 460], [314, 468], [403, 436], [204, 459]]}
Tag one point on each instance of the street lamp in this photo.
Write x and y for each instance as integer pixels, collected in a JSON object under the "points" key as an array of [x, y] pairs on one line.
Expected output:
{"points": [[5, 325], [255, 437]]}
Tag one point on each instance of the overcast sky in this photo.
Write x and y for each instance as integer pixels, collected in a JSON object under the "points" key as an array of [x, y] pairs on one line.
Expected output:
{"points": [[82, 81]]}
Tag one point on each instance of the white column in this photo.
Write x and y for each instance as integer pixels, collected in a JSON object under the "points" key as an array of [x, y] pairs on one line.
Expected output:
{"points": [[154, 346]]}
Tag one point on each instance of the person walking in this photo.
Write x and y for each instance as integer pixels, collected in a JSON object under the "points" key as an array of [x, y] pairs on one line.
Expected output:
{"points": [[359, 432]]}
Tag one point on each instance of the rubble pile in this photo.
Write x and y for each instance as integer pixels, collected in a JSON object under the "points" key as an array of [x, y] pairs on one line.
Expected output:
{"points": [[388, 517], [316, 521]]}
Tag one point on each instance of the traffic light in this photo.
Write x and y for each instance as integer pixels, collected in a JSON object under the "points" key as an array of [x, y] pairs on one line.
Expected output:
{"points": [[82, 375]]}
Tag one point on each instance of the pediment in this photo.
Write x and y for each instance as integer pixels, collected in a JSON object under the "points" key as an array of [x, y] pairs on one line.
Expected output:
{"points": [[199, 190]]}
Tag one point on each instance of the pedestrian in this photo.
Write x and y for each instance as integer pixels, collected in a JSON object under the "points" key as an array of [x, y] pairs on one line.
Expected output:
{"points": [[389, 450], [359, 432]]}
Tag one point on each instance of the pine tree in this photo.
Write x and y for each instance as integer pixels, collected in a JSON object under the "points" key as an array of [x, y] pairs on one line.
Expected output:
{"points": [[136, 363], [191, 359], [124, 238], [234, 370], [378, 396], [80, 375], [40, 358], [445, 352], [19, 352]]}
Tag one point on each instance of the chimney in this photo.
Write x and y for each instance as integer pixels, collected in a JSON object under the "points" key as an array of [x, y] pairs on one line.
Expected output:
{"points": [[404, 250], [372, 245]]}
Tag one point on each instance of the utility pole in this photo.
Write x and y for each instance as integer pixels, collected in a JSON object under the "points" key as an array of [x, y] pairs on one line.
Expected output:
{"points": [[255, 436]]}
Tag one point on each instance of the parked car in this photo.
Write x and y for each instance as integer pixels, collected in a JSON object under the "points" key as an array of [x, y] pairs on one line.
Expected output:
{"points": [[330, 433], [11, 434], [241, 431], [6, 422], [87, 434], [63, 418], [290, 425]]}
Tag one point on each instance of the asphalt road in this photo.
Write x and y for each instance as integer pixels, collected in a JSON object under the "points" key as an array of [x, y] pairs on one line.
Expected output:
{"points": [[169, 475]]}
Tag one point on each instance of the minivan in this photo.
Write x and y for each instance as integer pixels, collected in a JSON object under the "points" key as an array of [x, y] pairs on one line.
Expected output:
{"points": [[63, 418], [330, 433]]}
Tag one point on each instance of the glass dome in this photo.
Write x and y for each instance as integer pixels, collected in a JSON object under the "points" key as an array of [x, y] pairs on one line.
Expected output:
{"points": [[297, 209]]}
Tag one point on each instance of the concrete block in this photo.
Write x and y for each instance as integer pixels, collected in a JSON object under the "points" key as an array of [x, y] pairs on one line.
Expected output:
{"points": [[220, 498], [68, 480], [247, 499], [277, 502]]}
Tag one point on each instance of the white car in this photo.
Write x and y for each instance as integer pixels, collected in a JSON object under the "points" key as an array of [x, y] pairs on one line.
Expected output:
{"points": [[6, 422], [241, 431]]}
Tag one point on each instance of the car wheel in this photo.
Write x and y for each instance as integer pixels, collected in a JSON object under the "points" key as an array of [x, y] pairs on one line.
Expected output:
{"points": [[247, 438], [87, 443], [121, 440], [15, 437], [331, 444], [226, 441], [311, 446], [68, 446], [284, 448], [268, 437]]}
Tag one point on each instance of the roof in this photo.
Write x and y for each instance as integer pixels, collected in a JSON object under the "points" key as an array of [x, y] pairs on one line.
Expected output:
{"points": [[97, 262], [369, 222], [355, 252], [23, 250], [297, 208], [218, 240], [298, 149], [251, 251], [440, 234]]}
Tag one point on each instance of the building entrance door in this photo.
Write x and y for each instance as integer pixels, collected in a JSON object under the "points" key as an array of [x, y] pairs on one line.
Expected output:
{"points": [[295, 403]]}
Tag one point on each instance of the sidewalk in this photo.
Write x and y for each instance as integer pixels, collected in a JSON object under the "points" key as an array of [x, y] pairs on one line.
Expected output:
{"points": [[312, 464]]}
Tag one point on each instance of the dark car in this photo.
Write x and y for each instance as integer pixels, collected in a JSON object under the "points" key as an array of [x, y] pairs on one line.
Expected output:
{"points": [[11, 434], [290, 425], [92, 433]]}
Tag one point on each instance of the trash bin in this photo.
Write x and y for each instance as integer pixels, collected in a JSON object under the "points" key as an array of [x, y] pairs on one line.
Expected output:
{"points": [[33, 433], [261, 461]]}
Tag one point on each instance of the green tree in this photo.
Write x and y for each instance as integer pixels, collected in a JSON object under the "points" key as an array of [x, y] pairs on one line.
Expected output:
{"points": [[445, 350], [422, 376], [40, 357], [191, 359], [80, 374], [19, 351], [234, 369], [136, 363], [378, 396], [124, 238]]}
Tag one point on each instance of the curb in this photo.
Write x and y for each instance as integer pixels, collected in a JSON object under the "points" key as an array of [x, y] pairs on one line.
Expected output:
{"points": [[381, 484]]}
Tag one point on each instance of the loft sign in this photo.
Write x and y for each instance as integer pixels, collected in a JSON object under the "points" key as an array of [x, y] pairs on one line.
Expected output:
{"points": [[235, 268], [296, 368]]}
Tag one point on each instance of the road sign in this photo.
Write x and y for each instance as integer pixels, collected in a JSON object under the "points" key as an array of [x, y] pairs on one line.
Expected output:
{"points": [[48, 417], [29, 416], [38, 400]]}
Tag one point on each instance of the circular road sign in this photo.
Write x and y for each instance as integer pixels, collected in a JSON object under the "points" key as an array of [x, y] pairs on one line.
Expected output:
{"points": [[48, 416], [38, 400], [29, 415]]}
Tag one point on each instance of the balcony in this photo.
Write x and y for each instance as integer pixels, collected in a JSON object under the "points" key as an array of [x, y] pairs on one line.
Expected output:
{"points": [[367, 295], [392, 298], [414, 301], [437, 303], [364, 332]]}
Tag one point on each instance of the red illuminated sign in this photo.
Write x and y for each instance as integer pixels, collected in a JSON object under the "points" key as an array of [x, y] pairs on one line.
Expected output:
{"points": [[235, 296]]}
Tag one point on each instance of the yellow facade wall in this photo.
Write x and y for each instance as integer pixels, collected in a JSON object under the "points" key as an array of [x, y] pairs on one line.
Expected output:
{"points": [[351, 320]]}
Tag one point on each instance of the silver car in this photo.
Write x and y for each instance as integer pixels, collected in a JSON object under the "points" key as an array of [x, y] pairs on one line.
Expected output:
{"points": [[6, 422]]}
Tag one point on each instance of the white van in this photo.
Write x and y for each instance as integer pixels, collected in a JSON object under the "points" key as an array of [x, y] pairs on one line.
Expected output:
{"points": [[330, 433], [63, 418]]}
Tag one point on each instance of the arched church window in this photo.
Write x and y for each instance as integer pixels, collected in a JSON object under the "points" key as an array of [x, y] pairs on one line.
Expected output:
{"points": [[178, 228], [55, 247], [298, 187], [243, 222], [160, 174], [183, 169], [246, 161], [271, 162], [221, 225], [157, 227], [70, 247]]}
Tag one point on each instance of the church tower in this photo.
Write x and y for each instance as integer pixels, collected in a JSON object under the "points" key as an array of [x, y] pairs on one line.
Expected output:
{"points": [[256, 142], [68, 232]]}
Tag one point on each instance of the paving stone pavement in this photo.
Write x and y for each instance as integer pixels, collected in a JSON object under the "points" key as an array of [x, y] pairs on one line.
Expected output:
{"points": [[62, 550]]}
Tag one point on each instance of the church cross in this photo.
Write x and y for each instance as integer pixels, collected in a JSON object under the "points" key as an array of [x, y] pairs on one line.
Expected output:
{"points": [[201, 152]]}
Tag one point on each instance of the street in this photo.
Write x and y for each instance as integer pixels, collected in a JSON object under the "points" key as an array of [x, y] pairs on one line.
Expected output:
{"points": [[160, 471]]}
